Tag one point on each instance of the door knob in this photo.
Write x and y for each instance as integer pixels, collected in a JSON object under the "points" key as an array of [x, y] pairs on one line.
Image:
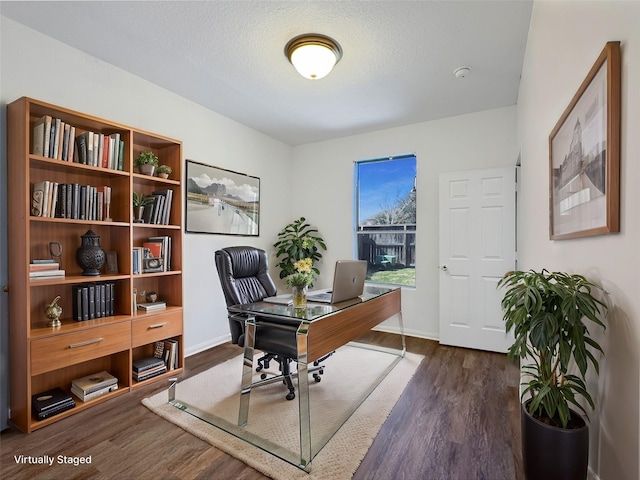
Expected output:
{"points": [[444, 268]]}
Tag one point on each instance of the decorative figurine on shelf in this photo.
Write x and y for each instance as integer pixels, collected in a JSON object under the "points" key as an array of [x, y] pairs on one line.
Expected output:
{"points": [[90, 255], [152, 297], [53, 313], [55, 249]]}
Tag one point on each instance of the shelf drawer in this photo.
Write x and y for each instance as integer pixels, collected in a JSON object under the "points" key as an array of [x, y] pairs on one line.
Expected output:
{"points": [[61, 351], [156, 327]]}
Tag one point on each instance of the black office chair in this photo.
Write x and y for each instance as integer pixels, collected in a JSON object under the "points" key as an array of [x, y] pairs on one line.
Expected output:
{"points": [[244, 277]]}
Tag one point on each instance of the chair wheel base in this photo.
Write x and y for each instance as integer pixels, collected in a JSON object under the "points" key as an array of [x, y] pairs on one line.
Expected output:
{"points": [[291, 396]]}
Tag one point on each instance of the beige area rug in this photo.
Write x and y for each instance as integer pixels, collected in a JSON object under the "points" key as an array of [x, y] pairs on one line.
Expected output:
{"points": [[345, 415]]}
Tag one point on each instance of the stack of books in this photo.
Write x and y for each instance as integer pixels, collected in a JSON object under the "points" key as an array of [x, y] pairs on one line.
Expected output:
{"points": [[51, 402], [93, 386], [148, 367], [45, 268]]}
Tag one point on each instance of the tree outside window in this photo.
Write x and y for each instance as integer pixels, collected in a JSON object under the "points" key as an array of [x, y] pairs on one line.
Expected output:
{"points": [[385, 194]]}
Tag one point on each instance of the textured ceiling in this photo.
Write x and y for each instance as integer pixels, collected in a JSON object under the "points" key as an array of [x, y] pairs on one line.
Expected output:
{"points": [[397, 67]]}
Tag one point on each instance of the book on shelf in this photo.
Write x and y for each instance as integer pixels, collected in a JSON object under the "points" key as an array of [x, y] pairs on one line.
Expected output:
{"points": [[37, 267], [46, 273], [121, 156], [51, 402], [71, 149], [56, 138], [85, 397], [53, 199], [114, 150], [152, 306], [171, 357], [136, 254], [146, 363], [105, 207], [94, 382], [150, 373], [41, 132]]}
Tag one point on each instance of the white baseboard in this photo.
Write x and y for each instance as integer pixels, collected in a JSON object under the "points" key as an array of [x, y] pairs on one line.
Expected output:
{"points": [[201, 347]]}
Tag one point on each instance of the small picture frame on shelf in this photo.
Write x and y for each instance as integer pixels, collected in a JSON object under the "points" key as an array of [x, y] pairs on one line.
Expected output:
{"points": [[112, 262]]}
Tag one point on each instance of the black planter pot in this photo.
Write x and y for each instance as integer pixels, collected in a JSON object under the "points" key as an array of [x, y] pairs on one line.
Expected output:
{"points": [[552, 453]]}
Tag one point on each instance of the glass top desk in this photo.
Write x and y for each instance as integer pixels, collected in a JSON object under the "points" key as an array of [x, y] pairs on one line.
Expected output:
{"points": [[321, 330]]}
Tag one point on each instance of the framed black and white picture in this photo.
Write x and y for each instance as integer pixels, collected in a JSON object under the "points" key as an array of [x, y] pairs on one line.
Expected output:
{"points": [[221, 201], [584, 155]]}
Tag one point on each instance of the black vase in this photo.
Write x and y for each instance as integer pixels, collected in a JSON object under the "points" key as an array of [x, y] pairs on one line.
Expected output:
{"points": [[90, 255], [552, 453]]}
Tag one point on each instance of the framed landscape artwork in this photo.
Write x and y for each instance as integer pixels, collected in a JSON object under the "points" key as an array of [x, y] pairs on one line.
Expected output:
{"points": [[584, 155], [221, 201]]}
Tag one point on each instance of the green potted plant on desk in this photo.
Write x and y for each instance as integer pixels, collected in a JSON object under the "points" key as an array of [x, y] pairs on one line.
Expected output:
{"points": [[547, 312], [296, 241], [146, 162]]}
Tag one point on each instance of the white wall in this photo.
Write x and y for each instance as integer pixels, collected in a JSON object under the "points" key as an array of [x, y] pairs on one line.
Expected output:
{"points": [[323, 190], [37, 66], [565, 39]]}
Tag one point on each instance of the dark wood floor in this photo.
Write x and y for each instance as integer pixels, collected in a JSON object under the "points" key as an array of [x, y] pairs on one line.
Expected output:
{"points": [[458, 419]]}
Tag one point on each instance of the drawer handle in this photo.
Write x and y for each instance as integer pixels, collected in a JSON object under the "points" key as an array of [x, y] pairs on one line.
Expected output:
{"points": [[158, 325], [84, 344]]}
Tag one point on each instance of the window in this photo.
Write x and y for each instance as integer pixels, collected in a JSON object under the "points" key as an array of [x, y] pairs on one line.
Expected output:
{"points": [[385, 196]]}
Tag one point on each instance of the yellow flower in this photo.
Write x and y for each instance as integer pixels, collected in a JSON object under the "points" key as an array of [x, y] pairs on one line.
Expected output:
{"points": [[304, 265]]}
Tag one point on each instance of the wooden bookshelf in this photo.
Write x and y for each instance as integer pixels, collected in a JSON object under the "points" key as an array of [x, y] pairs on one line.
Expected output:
{"points": [[44, 357]]}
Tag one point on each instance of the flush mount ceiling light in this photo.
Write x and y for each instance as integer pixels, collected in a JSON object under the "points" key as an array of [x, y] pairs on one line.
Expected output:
{"points": [[313, 55]]}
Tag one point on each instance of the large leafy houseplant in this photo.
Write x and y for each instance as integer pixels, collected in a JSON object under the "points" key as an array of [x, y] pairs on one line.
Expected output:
{"points": [[547, 312], [296, 241]]}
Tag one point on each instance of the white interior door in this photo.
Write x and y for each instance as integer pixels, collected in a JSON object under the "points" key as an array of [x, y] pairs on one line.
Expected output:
{"points": [[477, 247]]}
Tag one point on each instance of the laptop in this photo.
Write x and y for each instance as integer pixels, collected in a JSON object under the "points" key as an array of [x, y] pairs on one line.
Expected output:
{"points": [[348, 283]]}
